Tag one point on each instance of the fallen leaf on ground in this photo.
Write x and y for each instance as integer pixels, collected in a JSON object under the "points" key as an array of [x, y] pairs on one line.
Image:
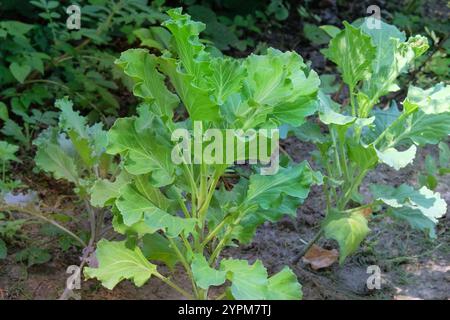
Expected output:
{"points": [[320, 258]]}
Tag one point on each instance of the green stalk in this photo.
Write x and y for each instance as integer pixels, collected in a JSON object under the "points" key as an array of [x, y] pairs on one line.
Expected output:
{"points": [[336, 153], [214, 233], [40, 216], [354, 185], [173, 285], [352, 100], [393, 124], [224, 240], [185, 265]]}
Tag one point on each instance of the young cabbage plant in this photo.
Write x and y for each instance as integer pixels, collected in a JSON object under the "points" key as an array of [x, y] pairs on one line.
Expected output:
{"points": [[178, 212], [360, 135], [75, 152]]}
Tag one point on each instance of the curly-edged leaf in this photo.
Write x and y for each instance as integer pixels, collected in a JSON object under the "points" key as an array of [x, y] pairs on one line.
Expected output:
{"points": [[196, 100], [139, 229], [89, 142], [7, 151], [434, 100], [251, 282], [149, 207], [397, 159], [172, 226], [393, 56], [149, 83], [284, 286], [133, 204], [281, 86], [143, 152], [187, 44], [226, 78], [248, 282], [347, 229], [52, 158], [12, 129], [117, 262], [156, 247], [104, 191], [204, 275], [425, 119], [70, 120], [421, 208], [287, 189], [353, 52]]}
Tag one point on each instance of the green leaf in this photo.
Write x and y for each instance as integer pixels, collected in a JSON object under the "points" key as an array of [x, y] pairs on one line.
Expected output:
{"points": [[421, 208], [117, 262], [364, 156], [284, 286], [143, 151], [70, 120], [331, 30], [290, 186], [248, 282], [103, 191], [133, 204], [20, 72], [89, 142], [8, 151], [16, 28], [226, 79], [397, 159], [279, 80], [156, 247], [347, 229], [385, 65], [204, 275], [52, 158], [353, 52], [197, 100], [425, 120], [434, 100], [393, 56], [187, 44], [3, 250], [149, 83], [3, 111], [33, 255], [12, 129], [135, 207], [172, 226]]}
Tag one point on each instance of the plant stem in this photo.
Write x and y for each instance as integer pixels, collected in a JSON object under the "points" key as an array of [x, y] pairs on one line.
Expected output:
{"points": [[214, 232], [185, 264], [41, 216], [354, 185], [316, 238], [173, 285], [393, 124], [352, 100], [336, 152]]}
